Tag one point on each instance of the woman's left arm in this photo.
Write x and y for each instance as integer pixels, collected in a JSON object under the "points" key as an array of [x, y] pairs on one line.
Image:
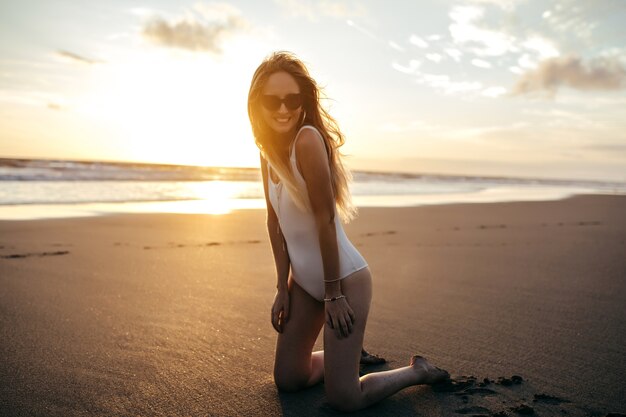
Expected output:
{"points": [[314, 165]]}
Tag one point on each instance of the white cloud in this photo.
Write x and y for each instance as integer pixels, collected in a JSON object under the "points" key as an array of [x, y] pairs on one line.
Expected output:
{"points": [[411, 69], [573, 19], [314, 9], [444, 84], [466, 14], [483, 42], [494, 92], [395, 46], [142, 11], [480, 63], [222, 12], [417, 41], [525, 61], [454, 53], [543, 47], [298, 8], [508, 5], [434, 57], [364, 31]]}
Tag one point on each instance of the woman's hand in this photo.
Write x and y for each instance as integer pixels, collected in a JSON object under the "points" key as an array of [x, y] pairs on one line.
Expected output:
{"points": [[280, 310], [340, 317]]}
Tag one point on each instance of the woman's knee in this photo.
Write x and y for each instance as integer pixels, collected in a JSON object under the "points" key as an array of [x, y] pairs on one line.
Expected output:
{"points": [[289, 381], [344, 401]]}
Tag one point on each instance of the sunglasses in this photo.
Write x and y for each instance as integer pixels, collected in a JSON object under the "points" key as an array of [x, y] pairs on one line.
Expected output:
{"points": [[273, 103]]}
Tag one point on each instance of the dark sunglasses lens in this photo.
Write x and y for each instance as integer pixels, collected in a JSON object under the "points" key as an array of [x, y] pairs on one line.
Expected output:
{"points": [[271, 103], [293, 101]]}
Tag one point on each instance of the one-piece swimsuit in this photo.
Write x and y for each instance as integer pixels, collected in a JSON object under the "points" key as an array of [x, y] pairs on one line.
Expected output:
{"points": [[300, 231]]}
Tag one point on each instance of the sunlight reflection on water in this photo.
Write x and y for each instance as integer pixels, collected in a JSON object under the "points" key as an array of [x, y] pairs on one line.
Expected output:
{"points": [[218, 199]]}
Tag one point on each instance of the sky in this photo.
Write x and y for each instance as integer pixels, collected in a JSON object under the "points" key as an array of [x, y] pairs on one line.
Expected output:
{"points": [[524, 88]]}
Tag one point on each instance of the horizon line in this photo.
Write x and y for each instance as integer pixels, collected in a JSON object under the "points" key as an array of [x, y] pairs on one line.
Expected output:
{"points": [[361, 171]]}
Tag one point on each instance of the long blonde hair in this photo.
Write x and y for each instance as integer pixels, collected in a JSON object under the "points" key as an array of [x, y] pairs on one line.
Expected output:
{"points": [[314, 115]]}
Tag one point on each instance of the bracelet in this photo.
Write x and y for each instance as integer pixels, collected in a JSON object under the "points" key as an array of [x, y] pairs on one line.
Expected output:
{"points": [[332, 280], [339, 297]]}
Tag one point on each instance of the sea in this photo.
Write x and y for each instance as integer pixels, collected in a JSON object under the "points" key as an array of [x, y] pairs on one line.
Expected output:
{"points": [[44, 188]]}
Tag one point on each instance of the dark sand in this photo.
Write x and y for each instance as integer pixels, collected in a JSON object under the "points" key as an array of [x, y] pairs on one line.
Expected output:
{"points": [[163, 315]]}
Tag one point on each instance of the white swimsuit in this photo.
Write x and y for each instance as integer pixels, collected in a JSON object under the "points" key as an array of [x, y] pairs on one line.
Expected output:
{"points": [[300, 231]]}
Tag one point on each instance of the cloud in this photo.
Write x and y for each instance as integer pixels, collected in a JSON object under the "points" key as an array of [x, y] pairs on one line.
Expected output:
{"points": [[609, 148], [571, 71], [312, 10], [434, 57], [341, 10], [572, 19], [77, 58], [464, 29], [508, 5], [395, 46], [444, 84], [481, 63], [364, 31], [414, 65], [543, 47], [454, 53], [494, 92], [192, 34], [417, 41], [295, 8]]}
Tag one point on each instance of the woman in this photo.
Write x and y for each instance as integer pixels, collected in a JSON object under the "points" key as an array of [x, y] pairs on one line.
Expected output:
{"points": [[306, 189]]}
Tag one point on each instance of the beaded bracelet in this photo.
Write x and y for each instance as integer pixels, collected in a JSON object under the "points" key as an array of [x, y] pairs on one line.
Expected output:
{"points": [[332, 280], [339, 297]]}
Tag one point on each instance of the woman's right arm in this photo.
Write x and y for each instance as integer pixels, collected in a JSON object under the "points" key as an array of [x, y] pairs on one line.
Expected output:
{"points": [[280, 309]]}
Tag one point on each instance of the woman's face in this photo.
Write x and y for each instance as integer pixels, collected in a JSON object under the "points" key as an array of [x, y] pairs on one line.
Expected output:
{"points": [[281, 107]]}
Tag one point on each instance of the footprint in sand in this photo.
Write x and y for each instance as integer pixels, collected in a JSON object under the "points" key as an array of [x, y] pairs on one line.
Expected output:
{"points": [[503, 397], [387, 232], [34, 254], [549, 399], [201, 245], [492, 226], [578, 223], [473, 410]]}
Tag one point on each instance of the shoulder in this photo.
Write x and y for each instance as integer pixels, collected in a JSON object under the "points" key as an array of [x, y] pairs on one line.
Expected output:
{"points": [[311, 155], [309, 143]]}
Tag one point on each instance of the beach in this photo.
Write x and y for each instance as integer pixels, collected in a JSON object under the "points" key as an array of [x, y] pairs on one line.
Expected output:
{"points": [[168, 314]]}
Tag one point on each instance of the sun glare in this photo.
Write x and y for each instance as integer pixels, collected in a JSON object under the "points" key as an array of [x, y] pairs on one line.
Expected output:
{"points": [[176, 107]]}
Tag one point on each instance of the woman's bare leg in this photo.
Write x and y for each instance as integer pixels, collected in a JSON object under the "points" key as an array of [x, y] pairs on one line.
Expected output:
{"points": [[295, 366], [344, 389]]}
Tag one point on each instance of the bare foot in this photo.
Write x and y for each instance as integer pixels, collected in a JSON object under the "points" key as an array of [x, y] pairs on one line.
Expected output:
{"points": [[371, 359], [429, 374]]}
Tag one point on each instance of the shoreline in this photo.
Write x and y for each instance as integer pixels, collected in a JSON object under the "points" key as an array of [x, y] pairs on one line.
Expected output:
{"points": [[26, 212], [163, 314]]}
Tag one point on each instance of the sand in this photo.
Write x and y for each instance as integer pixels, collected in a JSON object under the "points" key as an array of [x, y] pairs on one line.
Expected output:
{"points": [[161, 314]]}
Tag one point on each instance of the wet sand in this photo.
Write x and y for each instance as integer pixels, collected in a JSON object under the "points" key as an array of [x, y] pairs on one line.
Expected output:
{"points": [[157, 314]]}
